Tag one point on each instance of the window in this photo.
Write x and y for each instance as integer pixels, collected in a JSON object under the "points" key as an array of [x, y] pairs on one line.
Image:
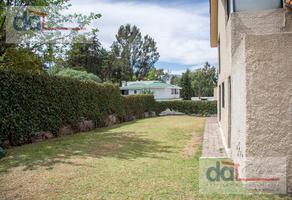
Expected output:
{"points": [[252, 5], [230, 7], [125, 92], [219, 56], [219, 103], [174, 91], [135, 91], [223, 95], [229, 111]]}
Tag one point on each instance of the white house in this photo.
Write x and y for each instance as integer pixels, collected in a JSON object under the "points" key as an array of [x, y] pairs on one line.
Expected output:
{"points": [[161, 91]]}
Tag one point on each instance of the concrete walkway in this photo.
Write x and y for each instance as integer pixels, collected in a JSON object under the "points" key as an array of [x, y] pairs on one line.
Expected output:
{"points": [[212, 145]]}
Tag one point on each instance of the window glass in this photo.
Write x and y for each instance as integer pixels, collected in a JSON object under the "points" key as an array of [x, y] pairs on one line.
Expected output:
{"points": [[223, 95], [220, 101], [252, 5], [229, 7], [219, 56]]}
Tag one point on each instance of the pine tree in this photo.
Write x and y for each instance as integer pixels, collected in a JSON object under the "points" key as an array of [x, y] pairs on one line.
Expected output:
{"points": [[186, 84]]}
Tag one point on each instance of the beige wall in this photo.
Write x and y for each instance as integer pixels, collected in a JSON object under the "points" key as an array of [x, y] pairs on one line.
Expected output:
{"points": [[238, 106], [215, 93], [269, 89], [253, 53], [231, 33], [256, 23], [224, 35]]}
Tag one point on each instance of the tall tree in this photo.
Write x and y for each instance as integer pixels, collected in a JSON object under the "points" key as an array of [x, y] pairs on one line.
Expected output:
{"points": [[120, 68], [155, 75], [126, 49], [137, 55], [88, 56], [186, 84], [148, 56], [204, 81], [175, 80]]}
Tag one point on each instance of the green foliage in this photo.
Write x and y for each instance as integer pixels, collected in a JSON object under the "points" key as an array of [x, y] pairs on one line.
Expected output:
{"points": [[200, 83], [186, 84], [52, 71], [175, 80], [137, 105], [133, 55], [2, 153], [204, 108], [157, 75], [148, 56], [45, 45], [31, 103], [204, 80], [86, 55], [21, 59], [78, 75]]}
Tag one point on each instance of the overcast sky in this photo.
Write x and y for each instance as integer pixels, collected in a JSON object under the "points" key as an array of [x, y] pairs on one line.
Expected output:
{"points": [[180, 27]]}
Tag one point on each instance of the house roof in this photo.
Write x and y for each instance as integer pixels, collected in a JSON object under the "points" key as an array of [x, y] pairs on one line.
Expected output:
{"points": [[214, 22], [140, 85]]}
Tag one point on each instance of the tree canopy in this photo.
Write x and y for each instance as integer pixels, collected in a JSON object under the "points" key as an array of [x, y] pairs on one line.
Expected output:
{"points": [[199, 83], [79, 75], [46, 46], [134, 55], [204, 81], [186, 84]]}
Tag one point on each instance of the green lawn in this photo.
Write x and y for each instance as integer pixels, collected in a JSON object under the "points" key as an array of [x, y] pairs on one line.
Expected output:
{"points": [[155, 158]]}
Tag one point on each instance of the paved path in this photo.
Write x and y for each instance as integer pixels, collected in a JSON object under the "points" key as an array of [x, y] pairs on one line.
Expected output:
{"points": [[212, 144]]}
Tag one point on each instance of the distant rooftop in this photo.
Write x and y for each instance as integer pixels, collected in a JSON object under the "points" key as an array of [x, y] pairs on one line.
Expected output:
{"points": [[140, 85]]}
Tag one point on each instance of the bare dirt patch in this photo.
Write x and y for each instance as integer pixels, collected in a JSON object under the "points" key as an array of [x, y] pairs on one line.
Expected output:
{"points": [[192, 146]]}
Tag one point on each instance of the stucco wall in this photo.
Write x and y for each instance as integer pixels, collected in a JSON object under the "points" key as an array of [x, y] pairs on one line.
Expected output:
{"points": [[224, 35], [256, 53], [258, 23], [232, 31], [238, 106], [269, 90]]}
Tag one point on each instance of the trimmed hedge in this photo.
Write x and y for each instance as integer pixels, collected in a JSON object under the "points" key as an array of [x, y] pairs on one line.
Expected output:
{"points": [[31, 102], [203, 108], [2, 151], [137, 105]]}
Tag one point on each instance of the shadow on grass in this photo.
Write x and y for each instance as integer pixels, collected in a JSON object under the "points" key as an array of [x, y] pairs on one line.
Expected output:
{"points": [[106, 142]]}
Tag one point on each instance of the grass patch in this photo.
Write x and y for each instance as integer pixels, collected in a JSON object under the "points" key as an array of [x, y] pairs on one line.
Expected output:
{"points": [[143, 159]]}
